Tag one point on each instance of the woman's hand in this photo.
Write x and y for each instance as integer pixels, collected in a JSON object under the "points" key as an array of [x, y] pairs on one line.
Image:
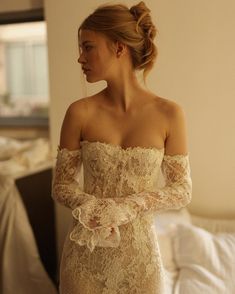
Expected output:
{"points": [[93, 223]]}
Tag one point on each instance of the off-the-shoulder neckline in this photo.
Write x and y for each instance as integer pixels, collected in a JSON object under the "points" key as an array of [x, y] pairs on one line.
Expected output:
{"points": [[130, 148]]}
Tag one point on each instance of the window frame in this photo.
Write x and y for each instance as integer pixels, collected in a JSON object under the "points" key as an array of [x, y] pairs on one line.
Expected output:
{"points": [[13, 17]]}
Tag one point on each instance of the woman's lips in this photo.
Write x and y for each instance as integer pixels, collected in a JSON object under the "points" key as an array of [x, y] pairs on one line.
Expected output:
{"points": [[85, 69]]}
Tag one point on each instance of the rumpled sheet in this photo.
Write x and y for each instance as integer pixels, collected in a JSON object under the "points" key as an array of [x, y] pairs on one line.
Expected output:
{"points": [[17, 156], [21, 269]]}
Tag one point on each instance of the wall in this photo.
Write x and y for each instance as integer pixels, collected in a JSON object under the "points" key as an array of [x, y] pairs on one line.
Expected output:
{"points": [[18, 5], [65, 83], [195, 67]]}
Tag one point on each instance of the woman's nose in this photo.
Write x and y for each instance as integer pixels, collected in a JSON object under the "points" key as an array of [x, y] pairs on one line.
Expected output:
{"points": [[81, 59]]}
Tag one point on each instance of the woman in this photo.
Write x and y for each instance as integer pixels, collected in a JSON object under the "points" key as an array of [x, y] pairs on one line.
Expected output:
{"points": [[123, 135]]}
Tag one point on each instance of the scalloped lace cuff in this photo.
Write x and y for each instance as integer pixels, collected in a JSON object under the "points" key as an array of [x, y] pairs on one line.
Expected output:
{"points": [[102, 237]]}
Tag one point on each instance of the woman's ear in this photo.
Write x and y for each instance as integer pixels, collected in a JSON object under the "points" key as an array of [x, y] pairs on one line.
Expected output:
{"points": [[120, 48]]}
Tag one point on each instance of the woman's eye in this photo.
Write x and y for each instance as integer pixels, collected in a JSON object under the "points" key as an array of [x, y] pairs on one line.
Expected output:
{"points": [[88, 48]]}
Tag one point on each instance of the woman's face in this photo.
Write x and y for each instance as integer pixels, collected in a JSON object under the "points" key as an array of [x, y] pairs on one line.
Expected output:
{"points": [[96, 57]]}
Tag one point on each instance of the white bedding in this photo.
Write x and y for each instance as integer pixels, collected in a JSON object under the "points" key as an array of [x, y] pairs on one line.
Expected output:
{"points": [[206, 260], [197, 252], [21, 268], [17, 157]]}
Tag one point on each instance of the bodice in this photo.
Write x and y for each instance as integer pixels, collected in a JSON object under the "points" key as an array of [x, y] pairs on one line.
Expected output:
{"points": [[112, 171]]}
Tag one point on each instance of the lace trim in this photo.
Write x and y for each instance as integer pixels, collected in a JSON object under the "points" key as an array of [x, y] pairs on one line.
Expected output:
{"points": [[101, 237], [130, 148]]}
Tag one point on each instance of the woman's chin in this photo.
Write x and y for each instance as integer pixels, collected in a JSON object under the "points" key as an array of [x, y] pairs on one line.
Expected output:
{"points": [[92, 79]]}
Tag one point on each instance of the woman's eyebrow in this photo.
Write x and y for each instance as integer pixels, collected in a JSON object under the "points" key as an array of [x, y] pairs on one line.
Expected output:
{"points": [[85, 42]]}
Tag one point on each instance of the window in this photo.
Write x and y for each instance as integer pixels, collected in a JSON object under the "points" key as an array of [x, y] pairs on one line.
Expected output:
{"points": [[23, 70]]}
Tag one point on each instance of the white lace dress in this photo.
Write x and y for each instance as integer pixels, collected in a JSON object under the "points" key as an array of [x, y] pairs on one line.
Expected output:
{"points": [[120, 255]]}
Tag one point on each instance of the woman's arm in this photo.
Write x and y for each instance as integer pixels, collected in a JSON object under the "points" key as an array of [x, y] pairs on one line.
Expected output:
{"points": [[65, 188]]}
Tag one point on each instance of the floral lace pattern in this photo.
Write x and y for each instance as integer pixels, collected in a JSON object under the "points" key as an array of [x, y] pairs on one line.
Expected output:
{"points": [[113, 215], [65, 188]]}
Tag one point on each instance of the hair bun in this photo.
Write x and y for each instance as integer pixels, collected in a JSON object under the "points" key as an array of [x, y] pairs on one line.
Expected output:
{"points": [[141, 14]]}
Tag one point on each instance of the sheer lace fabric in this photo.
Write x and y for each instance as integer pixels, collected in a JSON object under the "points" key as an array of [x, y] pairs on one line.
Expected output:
{"points": [[112, 241]]}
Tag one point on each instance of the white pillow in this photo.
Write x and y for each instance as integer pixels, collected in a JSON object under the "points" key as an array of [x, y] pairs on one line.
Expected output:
{"points": [[206, 261], [163, 221], [172, 216]]}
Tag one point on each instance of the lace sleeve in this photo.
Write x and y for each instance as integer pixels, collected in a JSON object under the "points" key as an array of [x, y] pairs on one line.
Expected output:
{"points": [[65, 188], [109, 213], [66, 191]]}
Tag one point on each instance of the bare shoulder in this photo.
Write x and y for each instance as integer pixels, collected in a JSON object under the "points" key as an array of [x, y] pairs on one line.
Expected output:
{"points": [[172, 114], [84, 104], [82, 109], [176, 139], [72, 125], [170, 109], [78, 106], [167, 106], [78, 110]]}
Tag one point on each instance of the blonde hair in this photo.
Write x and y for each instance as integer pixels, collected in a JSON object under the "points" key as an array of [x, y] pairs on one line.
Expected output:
{"points": [[133, 27]]}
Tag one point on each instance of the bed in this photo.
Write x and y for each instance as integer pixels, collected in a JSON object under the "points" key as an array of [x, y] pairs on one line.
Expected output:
{"points": [[25, 178], [198, 253]]}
